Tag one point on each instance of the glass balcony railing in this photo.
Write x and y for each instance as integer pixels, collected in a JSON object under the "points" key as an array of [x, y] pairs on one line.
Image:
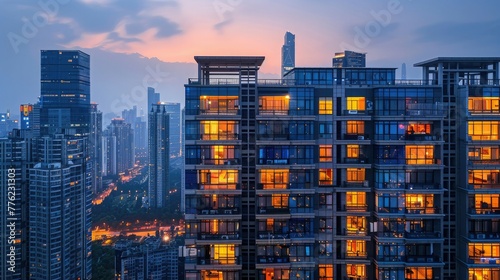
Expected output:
{"points": [[218, 236], [422, 235], [484, 235], [223, 261]]}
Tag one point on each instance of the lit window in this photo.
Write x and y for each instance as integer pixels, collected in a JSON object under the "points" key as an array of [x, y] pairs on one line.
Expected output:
{"points": [[352, 151], [484, 104], [483, 130], [356, 248], [419, 154], [355, 174], [325, 272], [325, 106], [274, 178], [274, 105], [325, 153], [356, 224], [356, 103], [355, 127], [325, 176], [357, 270]]}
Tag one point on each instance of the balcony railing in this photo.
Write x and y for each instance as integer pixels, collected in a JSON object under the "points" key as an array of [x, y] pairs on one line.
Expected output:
{"points": [[356, 112], [426, 210], [354, 255], [356, 232], [219, 236], [483, 260], [484, 235], [272, 210], [422, 235], [356, 160], [421, 137], [483, 186], [272, 259], [362, 184], [361, 136], [484, 161], [219, 211], [280, 112], [219, 186], [423, 259], [485, 211], [220, 261]]}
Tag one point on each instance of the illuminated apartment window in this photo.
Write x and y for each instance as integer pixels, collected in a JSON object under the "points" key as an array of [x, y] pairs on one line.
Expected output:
{"points": [[487, 202], [325, 176], [419, 128], [356, 103], [280, 200], [484, 104], [355, 127], [274, 178], [219, 130], [420, 203], [418, 273], [325, 271], [223, 253], [483, 130], [355, 225], [214, 179], [484, 153], [352, 151], [355, 200], [325, 153], [484, 273], [356, 270], [355, 174], [480, 251], [419, 154], [355, 248], [485, 178], [325, 106], [219, 105], [274, 105]]}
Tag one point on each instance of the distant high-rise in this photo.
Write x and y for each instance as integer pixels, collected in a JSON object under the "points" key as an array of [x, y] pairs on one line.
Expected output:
{"points": [[158, 140], [288, 54], [65, 91], [26, 111], [348, 59], [174, 110], [95, 148], [153, 98], [120, 155], [7, 124], [130, 115]]}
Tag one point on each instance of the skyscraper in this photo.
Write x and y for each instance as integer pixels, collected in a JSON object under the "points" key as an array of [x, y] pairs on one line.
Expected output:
{"points": [[26, 117], [60, 197], [153, 98], [65, 91], [288, 53], [349, 59], [159, 145], [120, 154], [95, 142]]}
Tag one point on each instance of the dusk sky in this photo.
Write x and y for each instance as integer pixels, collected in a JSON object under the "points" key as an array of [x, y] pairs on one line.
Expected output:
{"points": [[134, 44]]}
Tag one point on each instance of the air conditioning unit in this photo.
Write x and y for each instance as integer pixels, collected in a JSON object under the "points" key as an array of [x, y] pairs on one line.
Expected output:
{"points": [[225, 237], [353, 112], [361, 137], [481, 236]]}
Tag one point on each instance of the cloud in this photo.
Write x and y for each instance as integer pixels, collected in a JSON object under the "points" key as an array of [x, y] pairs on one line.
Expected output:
{"points": [[115, 37], [164, 27]]}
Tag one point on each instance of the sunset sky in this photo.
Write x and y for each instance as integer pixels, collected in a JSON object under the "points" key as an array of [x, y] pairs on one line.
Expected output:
{"points": [[126, 39]]}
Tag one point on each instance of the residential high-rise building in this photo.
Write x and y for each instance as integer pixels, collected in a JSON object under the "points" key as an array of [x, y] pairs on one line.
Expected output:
{"points": [[471, 92], [15, 162], [65, 91], [95, 146], [322, 179], [348, 59], [26, 117], [130, 115], [288, 53], [140, 140], [7, 124], [403, 71], [60, 198], [159, 145]]}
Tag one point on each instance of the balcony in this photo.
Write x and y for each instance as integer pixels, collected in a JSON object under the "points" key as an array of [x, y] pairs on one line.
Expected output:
{"points": [[362, 184], [484, 260], [354, 255], [356, 232], [484, 235], [278, 112], [422, 186], [422, 235], [218, 236], [356, 112], [484, 211], [483, 187], [426, 210], [354, 208], [220, 261], [421, 137], [219, 187], [423, 259], [426, 110], [272, 210], [273, 259], [218, 136], [349, 136], [219, 211], [356, 160], [484, 162]]}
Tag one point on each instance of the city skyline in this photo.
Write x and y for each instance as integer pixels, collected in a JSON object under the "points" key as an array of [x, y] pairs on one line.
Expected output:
{"points": [[152, 40]]}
